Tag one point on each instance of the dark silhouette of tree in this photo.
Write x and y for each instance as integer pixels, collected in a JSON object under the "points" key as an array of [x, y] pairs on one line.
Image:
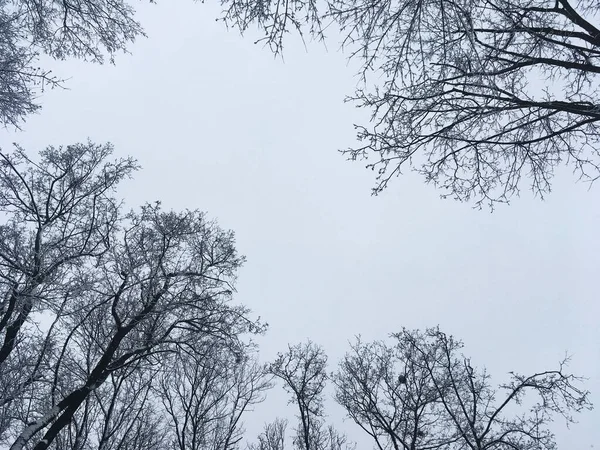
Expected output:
{"points": [[206, 393], [303, 372], [478, 96], [96, 302], [92, 30], [272, 437], [445, 402], [120, 414], [391, 397]]}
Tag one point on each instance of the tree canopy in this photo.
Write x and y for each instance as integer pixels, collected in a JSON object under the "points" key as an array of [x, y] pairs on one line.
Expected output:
{"points": [[480, 97], [118, 331], [420, 392], [118, 328], [91, 30], [106, 314]]}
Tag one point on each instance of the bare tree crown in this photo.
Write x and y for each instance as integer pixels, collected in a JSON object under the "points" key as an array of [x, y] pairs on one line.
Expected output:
{"points": [[420, 392], [478, 96], [98, 305]]}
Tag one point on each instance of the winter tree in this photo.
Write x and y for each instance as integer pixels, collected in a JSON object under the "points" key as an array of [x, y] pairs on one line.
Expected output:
{"points": [[272, 436], [206, 392], [90, 30], [481, 97], [96, 303], [302, 369], [420, 392]]}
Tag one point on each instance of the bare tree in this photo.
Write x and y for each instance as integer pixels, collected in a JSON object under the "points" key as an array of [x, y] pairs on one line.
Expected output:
{"points": [[478, 96], [303, 372], [386, 391], [272, 437], [127, 414], [475, 95], [120, 414], [206, 392], [91, 295], [90, 30], [58, 213], [421, 393]]}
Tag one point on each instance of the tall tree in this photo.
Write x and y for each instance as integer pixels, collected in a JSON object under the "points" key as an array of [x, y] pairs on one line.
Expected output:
{"points": [[93, 300], [206, 392], [272, 436], [478, 96], [420, 392], [388, 392], [303, 370]]}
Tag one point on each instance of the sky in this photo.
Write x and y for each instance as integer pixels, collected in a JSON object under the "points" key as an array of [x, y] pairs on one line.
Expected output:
{"points": [[219, 124]]}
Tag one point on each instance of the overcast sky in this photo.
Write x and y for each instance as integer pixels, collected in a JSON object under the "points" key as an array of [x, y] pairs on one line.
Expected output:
{"points": [[218, 124]]}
